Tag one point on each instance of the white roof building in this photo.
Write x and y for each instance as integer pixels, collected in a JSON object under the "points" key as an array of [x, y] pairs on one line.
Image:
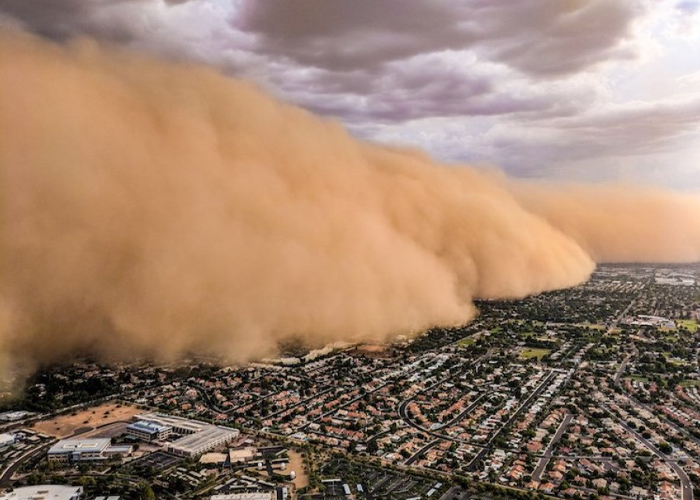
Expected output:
{"points": [[197, 437], [6, 440], [245, 496], [44, 492], [12, 416], [77, 450]]}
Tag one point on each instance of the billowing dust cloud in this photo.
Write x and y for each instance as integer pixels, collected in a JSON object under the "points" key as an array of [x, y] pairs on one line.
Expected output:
{"points": [[151, 209]]}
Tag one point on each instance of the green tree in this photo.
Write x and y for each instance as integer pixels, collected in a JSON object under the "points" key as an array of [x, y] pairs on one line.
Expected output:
{"points": [[147, 492]]}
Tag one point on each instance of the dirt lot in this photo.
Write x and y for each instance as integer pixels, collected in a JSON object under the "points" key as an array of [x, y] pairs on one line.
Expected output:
{"points": [[106, 430], [85, 420], [296, 464]]}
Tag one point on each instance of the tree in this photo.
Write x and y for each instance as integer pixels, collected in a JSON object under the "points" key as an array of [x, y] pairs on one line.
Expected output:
{"points": [[147, 493], [372, 447]]}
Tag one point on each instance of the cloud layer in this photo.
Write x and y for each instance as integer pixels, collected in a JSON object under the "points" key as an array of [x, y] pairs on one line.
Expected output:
{"points": [[159, 209], [531, 86]]}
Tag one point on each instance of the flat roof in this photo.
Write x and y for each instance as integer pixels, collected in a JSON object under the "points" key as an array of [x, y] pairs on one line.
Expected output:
{"points": [[7, 438], [244, 496], [193, 442], [168, 420], [148, 426], [120, 448], [80, 445], [14, 415], [44, 492]]}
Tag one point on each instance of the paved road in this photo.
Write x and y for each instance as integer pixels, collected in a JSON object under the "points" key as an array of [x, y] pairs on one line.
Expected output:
{"points": [[686, 485], [12, 467], [420, 452], [651, 410], [623, 366], [617, 320], [302, 402], [466, 411], [526, 403], [548, 452], [346, 404], [404, 416]]}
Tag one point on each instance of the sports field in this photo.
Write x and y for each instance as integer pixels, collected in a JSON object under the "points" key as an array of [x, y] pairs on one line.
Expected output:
{"points": [[530, 352]]}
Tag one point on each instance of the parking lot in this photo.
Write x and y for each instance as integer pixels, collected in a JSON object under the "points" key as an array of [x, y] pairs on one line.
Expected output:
{"points": [[370, 483], [158, 460]]}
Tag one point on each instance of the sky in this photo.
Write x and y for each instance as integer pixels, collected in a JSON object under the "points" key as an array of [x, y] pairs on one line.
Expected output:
{"points": [[574, 90]]}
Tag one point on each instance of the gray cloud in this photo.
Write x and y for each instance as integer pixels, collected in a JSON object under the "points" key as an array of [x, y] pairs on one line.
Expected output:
{"points": [[608, 141], [523, 84], [535, 36], [60, 19], [414, 89]]}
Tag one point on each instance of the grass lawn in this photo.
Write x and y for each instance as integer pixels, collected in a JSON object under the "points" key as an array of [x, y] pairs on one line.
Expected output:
{"points": [[466, 341], [530, 352], [675, 362], [690, 324], [690, 383], [639, 378]]}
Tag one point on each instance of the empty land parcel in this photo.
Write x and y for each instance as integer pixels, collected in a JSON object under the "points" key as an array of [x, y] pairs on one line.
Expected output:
{"points": [[87, 419]]}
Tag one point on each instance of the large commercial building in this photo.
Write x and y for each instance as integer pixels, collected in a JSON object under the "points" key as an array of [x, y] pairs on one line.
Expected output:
{"points": [[85, 450], [44, 492], [197, 437], [263, 495], [201, 442], [149, 431]]}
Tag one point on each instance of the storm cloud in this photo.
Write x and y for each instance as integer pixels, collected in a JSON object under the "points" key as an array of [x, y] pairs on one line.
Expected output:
{"points": [[467, 80]]}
